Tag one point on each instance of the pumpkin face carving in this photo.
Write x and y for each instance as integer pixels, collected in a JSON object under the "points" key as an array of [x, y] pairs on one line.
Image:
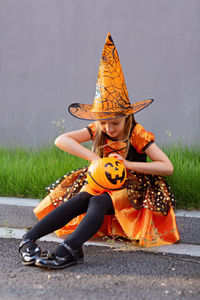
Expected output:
{"points": [[106, 174]]}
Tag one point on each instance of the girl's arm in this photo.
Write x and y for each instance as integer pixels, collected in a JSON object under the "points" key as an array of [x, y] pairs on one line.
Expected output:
{"points": [[160, 165], [70, 142]]}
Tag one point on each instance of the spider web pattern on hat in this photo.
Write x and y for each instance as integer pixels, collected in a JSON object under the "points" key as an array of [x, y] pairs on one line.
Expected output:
{"points": [[111, 97]]}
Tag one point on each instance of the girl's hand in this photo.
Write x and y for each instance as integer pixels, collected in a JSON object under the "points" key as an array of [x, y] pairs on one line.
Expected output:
{"points": [[120, 158], [94, 159], [159, 165]]}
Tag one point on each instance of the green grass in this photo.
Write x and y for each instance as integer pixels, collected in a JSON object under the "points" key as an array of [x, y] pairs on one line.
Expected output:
{"points": [[185, 182], [26, 172]]}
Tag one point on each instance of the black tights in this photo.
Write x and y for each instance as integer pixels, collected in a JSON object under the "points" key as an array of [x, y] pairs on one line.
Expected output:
{"points": [[95, 207]]}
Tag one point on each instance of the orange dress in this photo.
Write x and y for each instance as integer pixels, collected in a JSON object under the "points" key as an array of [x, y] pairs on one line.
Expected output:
{"points": [[143, 210]]}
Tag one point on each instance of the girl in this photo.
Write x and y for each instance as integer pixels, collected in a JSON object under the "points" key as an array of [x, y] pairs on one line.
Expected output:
{"points": [[141, 212]]}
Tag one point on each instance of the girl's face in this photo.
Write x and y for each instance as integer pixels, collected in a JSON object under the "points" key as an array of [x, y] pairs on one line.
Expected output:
{"points": [[114, 128]]}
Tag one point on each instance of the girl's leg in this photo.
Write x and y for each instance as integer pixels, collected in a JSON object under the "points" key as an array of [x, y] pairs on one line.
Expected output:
{"points": [[70, 251], [98, 207], [53, 221], [60, 216]]}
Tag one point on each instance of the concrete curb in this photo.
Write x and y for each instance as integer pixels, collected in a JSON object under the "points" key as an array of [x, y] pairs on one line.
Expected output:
{"points": [[18, 213]]}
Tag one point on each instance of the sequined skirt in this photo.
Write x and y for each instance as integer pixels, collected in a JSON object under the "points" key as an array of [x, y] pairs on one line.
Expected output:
{"points": [[143, 208]]}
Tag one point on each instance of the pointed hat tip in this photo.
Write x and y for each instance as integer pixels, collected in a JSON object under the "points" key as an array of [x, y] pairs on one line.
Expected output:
{"points": [[109, 37]]}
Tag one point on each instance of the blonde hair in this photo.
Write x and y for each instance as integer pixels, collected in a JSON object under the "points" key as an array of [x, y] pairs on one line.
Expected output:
{"points": [[99, 140]]}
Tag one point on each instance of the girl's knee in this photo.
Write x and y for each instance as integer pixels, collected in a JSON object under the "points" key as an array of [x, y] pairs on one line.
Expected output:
{"points": [[100, 201], [94, 200]]}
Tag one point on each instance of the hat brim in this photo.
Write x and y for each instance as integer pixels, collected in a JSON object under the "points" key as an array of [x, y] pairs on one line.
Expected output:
{"points": [[85, 111]]}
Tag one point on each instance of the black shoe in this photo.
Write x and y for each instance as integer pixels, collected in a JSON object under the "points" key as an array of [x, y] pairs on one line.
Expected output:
{"points": [[51, 255], [55, 262], [29, 253]]}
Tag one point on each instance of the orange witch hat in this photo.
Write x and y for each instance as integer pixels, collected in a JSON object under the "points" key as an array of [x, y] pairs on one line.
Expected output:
{"points": [[111, 98]]}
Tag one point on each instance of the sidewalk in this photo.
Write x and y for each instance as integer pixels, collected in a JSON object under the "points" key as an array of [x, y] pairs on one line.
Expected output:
{"points": [[16, 215]]}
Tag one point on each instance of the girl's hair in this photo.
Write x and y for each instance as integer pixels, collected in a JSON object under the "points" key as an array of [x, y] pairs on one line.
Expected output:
{"points": [[100, 136]]}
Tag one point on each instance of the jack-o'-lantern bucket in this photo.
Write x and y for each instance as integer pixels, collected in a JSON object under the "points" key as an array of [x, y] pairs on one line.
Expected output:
{"points": [[106, 174]]}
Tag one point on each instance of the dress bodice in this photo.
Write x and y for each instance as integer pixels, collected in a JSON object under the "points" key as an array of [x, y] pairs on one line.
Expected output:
{"points": [[139, 141]]}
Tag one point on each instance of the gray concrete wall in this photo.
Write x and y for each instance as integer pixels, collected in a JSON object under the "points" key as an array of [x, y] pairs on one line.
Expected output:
{"points": [[49, 58]]}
